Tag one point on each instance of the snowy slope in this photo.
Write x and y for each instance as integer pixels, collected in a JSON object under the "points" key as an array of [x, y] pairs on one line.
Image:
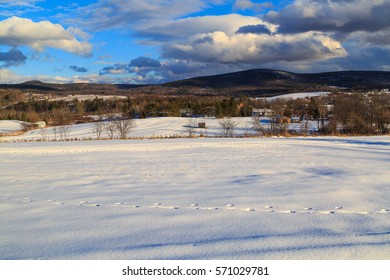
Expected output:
{"points": [[299, 95], [302, 198], [7, 126]]}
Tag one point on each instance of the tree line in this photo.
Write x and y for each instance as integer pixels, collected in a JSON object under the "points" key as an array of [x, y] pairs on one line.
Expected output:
{"points": [[337, 113], [60, 112]]}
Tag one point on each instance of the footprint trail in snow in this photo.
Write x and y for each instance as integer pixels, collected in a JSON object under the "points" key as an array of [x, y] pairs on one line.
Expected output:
{"points": [[339, 210]]}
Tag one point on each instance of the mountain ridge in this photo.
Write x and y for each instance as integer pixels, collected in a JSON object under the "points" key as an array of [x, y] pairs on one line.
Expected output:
{"points": [[253, 82]]}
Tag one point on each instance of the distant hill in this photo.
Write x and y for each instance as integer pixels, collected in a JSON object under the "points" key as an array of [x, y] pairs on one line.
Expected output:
{"points": [[41, 86], [257, 82], [263, 81]]}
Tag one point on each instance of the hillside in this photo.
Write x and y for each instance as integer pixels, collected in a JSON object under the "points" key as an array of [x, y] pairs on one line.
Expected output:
{"points": [[273, 82], [257, 82], [79, 88]]}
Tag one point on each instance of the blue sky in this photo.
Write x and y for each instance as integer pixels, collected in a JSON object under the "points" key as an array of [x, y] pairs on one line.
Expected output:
{"points": [[131, 41]]}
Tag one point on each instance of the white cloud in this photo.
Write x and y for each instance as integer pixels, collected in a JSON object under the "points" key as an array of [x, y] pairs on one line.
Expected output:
{"points": [[248, 4], [361, 26], [235, 38], [183, 28], [24, 3], [10, 77], [109, 14], [379, 38], [10, 8], [243, 4], [19, 3], [255, 48], [17, 31], [77, 32]]}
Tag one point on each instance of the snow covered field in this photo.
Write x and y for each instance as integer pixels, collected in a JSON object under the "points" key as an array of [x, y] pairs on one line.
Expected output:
{"points": [[151, 127], [203, 198], [298, 95], [10, 126]]}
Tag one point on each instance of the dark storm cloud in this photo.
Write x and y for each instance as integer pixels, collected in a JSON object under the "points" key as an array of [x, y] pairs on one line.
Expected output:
{"points": [[254, 29], [203, 40], [115, 69], [109, 14], [343, 16], [145, 62], [369, 58], [78, 69], [140, 65], [13, 57]]}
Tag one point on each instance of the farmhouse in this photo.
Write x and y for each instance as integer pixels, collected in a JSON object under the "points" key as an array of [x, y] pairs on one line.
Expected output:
{"points": [[263, 112], [295, 119]]}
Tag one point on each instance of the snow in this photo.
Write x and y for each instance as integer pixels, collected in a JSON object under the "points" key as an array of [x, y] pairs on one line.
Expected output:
{"points": [[202, 198], [159, 127], [85, 97], [298, 95], [9, 126]]}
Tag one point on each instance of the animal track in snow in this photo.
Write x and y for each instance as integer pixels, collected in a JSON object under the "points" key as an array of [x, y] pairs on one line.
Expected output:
{"points": [[53, 201], [125, 205], [337, 210], [167, 207], [266, 209], [287, 211], [88, 204], [327, 212]]}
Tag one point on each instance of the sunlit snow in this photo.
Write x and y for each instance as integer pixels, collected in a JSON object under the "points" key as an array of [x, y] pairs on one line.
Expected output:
{"points": [[202, 198]]}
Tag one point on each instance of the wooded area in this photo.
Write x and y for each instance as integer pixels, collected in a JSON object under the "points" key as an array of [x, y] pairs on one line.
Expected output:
{"points": [[337, 113]]}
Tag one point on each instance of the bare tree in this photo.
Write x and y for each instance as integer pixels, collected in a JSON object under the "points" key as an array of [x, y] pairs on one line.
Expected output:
{"points": [[43, 134], [55, 131], [352, 114], [109, 128], [228, 125], [381, 112], [190, 127], [306, 127], [64, 131], [97, 129], [319, 111], [123, 127], [383, 120], [257, 126]]}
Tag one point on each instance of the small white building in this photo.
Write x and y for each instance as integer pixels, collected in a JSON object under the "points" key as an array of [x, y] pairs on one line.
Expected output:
{"points": [[295, 119]]}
